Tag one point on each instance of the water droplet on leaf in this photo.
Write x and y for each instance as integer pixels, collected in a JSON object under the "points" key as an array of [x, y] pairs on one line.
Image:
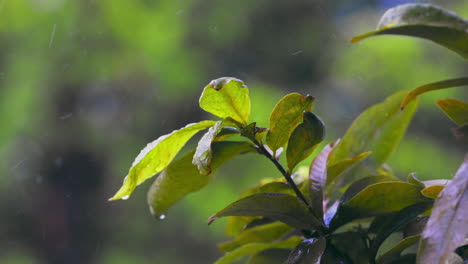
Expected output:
{"points": [[125, 197]]}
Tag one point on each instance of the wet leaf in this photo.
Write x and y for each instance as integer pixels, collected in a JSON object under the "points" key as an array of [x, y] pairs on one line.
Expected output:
{"points": [[278, 206], [157, 155], [456, 110], [432, 191], [395, 252], [262, 233], [335, 170], [271, 256], [181, 177], [286, 115], [309, 251], [378, 129], [253, 248], [432, 87], [447, 227], [203, 154], [227, 97], [395, 222], [304, 139], [424, 21]]}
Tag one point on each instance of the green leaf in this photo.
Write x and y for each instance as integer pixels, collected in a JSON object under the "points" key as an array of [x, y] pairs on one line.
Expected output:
{"points": [[396, 222], [456, 110], [277, 206], [156, 156], [227, 97], [361, 184], [432, 87], [383, 197], [309, 251], [226, 132], [304, 139], [378, 129], [337, 169], [424, 21], [315, 183], [413, 179], [286, 115], [271, 256], [432, 191], [253, 248], [181, 177], [262, 233], [446, 228], [203, 153], [395, 252]]}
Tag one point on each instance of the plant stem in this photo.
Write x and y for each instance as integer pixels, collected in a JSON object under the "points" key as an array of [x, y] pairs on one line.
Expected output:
{"points": [[286, 175]]}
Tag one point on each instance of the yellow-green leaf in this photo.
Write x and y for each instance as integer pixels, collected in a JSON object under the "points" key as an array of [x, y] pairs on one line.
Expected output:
{"points": [[432, 87], [181, 177], [340, 167], [456, 110], [227, 97], [304, 139], [432, 191], [396, 250], [424, 21], [286, 115], [262, 233], [157, 155], [253, 248]]}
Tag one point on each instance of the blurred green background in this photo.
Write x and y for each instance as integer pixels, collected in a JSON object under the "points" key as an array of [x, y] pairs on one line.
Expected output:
{"points": [[84, 85]]}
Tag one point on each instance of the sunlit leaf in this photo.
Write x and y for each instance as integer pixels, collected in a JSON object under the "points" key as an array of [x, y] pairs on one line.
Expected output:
{"points": [[304, 139], [396, 222], [447, 227], [336, 169], [432, 87], [227, 97], [157, 155], [455, 110], [271, 256], [424, 21], [395, 252], [286, 115], [432, 191], [378, 129], [278, 206], [253, 248], [203, 153], [262, 233], [309, 251], [181, 177]]}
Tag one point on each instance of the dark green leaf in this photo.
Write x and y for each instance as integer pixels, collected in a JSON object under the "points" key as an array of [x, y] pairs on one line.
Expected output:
{"points": [[447, 227], [156, 156], [304, 139], [432, 87], [271, 256], [455, 110], [461, 133], [286, 115], [424, 21], [378, 129], [278, 206], [262, 233], [226, 132], [181, 177], [227, 97], [348, 245], [361, 184], [415, 226], [309, 251], [253, 248], [413, 179], [394, 252], [335, 170], [396, 222], [203, 153]]}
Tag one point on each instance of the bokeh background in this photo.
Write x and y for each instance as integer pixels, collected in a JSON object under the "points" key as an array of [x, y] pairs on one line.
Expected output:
{"points": [[84, 85]]}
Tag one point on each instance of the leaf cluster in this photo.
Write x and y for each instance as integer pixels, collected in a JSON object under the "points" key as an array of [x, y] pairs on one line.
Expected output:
{"points": [[348, 202]]}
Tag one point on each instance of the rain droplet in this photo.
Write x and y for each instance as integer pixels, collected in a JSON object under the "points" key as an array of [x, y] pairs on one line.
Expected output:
{"points": [[162, 217], [125, 197]]}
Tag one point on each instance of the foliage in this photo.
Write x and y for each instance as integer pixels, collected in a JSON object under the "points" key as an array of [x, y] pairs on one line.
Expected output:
{"points": [[350, 202]]}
